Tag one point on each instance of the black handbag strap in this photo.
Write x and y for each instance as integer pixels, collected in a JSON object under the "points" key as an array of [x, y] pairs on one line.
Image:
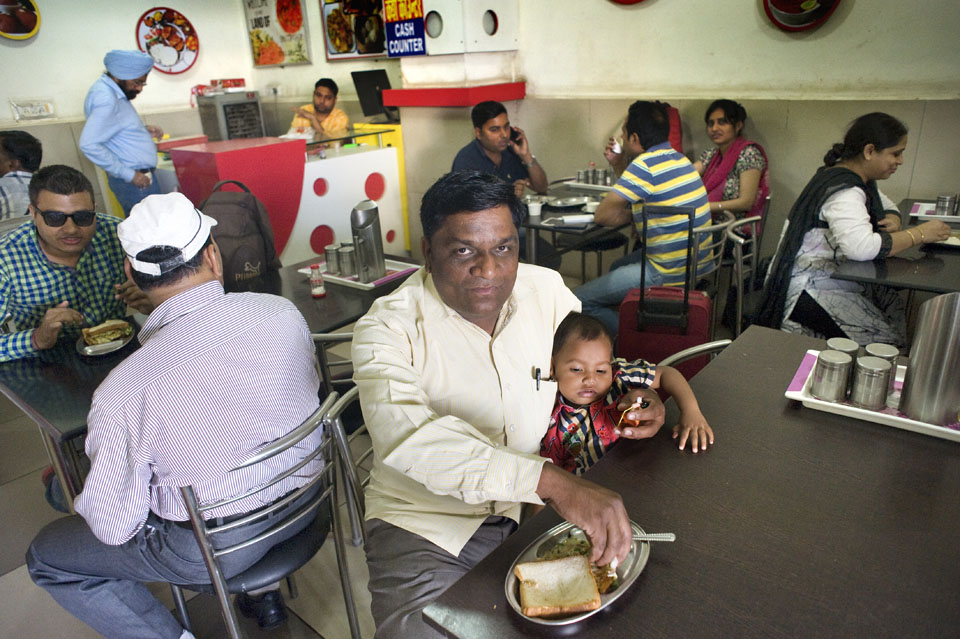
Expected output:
{"points": [[666, 312]]}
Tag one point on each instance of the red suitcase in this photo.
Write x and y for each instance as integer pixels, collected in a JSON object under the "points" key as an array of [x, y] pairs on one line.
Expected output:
{"points": [[663, 320]]}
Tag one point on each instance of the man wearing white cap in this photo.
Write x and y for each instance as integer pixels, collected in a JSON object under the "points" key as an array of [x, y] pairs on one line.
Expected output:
{"points": [[216, 376], [114, 138]]}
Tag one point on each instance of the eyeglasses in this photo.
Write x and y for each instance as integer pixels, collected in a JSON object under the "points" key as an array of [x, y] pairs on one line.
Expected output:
{"points": [[138, 83], [58, 218]]}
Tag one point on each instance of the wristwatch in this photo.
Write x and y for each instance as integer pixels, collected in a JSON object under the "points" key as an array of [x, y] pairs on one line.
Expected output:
{"points": [[533, 160]]}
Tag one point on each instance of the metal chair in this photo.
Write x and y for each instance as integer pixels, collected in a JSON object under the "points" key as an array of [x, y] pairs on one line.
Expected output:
{"points": [[356, 470], [290, 554], [351, 422], [746, 254], [707, 277], [699, 350], [326, 367]]}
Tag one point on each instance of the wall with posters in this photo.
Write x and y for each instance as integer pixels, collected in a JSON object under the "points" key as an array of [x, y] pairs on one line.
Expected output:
{"points": [[66, 56]]}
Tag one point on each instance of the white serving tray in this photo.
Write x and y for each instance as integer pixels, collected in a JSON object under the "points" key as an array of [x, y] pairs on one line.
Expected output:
{"points": [[799, 390], [395, 269], [924, 212]]}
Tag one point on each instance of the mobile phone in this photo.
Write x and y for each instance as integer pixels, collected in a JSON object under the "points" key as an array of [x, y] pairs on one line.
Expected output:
{"points": [[515, 135]]}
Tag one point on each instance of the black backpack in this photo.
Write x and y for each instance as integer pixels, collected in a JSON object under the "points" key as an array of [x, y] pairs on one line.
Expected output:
{"points": [[243, 233]]}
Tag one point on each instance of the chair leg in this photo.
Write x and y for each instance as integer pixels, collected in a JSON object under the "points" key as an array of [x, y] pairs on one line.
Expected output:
{"points": [[292, 587], [345, 584], [583, 267], [599, 263], [356, 525], [181, 605]]}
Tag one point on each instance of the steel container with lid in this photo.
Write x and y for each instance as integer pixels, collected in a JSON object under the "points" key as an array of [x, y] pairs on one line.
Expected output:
{"points": [[891, 354], [830, 376], [871, 377], [348, 262], [849, 347], [331, 253], [365, 225]]}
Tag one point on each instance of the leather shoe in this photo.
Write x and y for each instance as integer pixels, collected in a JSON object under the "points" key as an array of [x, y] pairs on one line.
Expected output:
{"points": [[268, 608]]}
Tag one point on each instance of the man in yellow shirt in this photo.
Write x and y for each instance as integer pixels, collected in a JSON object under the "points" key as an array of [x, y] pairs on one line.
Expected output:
{"points": [[445, 367], [323, 116]]}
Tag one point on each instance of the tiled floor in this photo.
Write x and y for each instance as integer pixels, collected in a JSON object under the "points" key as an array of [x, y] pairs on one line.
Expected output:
{"points": [[27, 612]]}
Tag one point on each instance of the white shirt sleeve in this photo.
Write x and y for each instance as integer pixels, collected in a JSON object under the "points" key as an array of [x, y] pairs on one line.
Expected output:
{"points": [[846, 213]]}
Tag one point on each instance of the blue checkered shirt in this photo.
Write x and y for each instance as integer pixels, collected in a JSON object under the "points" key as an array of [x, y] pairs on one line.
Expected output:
{"points": [[30, 284]]}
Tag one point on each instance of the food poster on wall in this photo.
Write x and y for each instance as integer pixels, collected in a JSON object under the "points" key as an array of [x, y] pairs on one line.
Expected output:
{"points": [[19, 19], [353, 28], [404, 28], [169, 38], [278, 32]]}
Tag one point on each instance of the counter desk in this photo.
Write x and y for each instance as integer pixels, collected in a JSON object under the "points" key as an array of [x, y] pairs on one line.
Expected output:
{"points": [[308, 189]]}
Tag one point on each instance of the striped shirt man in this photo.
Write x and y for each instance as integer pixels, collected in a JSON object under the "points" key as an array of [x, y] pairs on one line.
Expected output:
{"points": [[662, 176], [30, 284], [14, 194], [216, 378]]}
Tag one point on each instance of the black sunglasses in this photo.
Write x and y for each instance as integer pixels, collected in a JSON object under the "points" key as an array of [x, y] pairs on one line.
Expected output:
{"points": [[56, 218]]}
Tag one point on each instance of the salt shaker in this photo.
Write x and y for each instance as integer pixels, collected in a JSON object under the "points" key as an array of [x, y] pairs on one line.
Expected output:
{"points": [[316, 282]]}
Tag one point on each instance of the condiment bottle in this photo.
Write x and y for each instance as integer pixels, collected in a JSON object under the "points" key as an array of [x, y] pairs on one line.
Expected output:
{"points": [[316, 282]]}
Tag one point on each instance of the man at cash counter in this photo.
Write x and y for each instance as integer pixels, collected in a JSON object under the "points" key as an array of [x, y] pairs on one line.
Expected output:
{"points": [[446, 371], [322, 116]]}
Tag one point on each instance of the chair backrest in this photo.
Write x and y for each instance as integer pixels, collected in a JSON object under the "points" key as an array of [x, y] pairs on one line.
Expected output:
{"points": [[356, 467], [695, 351], [323, 483], [746, 254], [716, 237]]}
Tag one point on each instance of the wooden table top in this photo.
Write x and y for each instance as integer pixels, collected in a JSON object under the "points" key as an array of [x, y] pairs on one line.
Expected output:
{"points": [[796, 523]]}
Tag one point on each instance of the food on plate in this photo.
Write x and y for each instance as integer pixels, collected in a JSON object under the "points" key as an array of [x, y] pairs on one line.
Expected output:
{"points": [[577, 544], [107, 332], [557, 587], [340, 31], [289, 15]]}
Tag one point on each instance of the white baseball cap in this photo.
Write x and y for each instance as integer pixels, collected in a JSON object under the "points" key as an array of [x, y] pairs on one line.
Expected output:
{"points": [[169, 219]]}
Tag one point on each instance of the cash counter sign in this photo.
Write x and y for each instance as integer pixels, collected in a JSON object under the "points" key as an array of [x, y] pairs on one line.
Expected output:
{"points": [[404, 19]]}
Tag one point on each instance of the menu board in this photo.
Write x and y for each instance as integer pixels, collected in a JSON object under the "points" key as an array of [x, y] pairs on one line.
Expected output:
{"points": [[353, 29], [278, 32]]}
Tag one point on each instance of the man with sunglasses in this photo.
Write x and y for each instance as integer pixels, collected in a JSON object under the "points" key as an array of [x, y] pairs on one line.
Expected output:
{"points": [[62, 269], [114, 138]]}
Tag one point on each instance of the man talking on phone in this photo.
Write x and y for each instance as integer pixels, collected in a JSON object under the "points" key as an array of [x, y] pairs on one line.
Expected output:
{"points": [[501, 150]]}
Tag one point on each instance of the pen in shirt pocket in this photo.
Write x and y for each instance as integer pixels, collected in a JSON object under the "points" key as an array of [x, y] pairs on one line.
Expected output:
{"points": [[538, 375]]}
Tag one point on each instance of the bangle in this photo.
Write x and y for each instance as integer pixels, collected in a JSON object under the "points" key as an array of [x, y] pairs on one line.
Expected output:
{"points": [[533, 160], [922, 239], [913, 240]]}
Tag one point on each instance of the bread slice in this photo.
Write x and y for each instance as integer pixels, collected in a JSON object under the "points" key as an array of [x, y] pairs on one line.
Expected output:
{"points": [[106, 332], [557, 587]]}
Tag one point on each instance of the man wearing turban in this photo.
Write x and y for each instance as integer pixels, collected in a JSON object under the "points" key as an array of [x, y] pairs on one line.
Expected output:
{"points": [[114, 138]]}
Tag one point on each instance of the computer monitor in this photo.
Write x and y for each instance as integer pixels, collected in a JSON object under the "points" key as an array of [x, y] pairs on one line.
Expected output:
{"points": [[370, 86]]}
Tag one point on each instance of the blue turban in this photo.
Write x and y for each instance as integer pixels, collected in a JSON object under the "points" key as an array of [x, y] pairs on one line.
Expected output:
{"points": [[127, 65]]}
